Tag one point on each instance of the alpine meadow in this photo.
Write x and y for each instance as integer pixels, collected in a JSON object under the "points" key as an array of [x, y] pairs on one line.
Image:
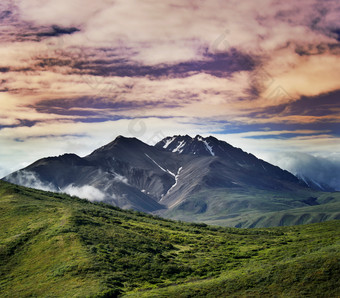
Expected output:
{"points": [[56, 245]]}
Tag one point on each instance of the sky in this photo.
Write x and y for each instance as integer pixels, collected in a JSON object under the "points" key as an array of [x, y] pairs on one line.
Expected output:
{"points": [[262, 75]]}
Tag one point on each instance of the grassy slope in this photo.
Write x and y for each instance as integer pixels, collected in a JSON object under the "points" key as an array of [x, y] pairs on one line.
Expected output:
{"points": [[38, 254], [54, 245], [257, 209]]}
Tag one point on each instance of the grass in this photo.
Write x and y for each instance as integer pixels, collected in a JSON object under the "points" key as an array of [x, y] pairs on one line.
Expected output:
{"points": [[56, 245], [36, 255]]}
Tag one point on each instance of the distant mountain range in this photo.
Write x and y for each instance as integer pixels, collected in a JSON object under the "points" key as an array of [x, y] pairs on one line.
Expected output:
{"points": [[195, 179]]}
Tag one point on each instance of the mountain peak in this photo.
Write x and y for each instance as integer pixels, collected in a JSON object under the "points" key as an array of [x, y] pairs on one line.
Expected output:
{"points": [[120, 146], [121, 138], [179, 174], [188, 145]]}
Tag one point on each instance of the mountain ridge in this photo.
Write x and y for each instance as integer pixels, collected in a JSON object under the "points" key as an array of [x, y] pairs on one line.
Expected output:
{"points": [[174, 178]]}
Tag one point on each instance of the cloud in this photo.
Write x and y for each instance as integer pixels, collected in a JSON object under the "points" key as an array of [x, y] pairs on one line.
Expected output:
{"points": [[30, 179], [327, 104], [96, 107], [3, 171], [281, 133], [90, 70], [305, 76], [318, 169], [85, 192], [65, 13], [321, 145], [22, 145], [117, 41], [55, 30]]}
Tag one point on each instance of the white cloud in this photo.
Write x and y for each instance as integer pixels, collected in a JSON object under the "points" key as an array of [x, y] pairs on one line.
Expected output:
{"points": [[85, 192], [157, 32], [30, 179], [319, 169], [22, 146]]}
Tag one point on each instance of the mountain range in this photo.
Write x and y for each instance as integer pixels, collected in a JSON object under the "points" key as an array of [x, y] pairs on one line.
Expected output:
{"points": [[193, 179]]}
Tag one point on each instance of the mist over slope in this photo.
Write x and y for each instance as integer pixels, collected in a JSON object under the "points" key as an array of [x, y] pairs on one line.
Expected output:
{"points": [[319, 172]]}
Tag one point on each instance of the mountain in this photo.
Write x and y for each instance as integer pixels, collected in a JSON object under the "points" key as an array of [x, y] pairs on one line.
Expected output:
{"points": [[314, 184], [193, 179], [213, 147], [229, 166], [103, 171], [53, 245]]}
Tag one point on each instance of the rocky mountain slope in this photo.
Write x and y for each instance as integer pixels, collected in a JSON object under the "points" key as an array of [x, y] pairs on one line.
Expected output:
{"points": [[180, 177]]}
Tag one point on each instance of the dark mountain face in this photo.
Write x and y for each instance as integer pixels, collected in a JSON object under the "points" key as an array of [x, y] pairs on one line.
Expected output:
{"points": [[228, 161], [145, 167], [126, 172], [200, 146], [315, 185], [213, 147], [167, 177]]}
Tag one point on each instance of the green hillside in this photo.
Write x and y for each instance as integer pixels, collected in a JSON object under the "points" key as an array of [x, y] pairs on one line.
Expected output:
{"points": [[54, 245], [254, 208]]}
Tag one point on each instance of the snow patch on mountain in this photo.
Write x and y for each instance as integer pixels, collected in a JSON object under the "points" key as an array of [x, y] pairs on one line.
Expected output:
{"points": [[171, 173], [208, 147], [176, 180], [168, 142], [178, 148], [120, 178], [164, 170]]}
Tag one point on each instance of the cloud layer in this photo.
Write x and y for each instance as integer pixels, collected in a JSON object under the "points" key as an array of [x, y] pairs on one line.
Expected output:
{"points": [[319, 169], [85, 192]]}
